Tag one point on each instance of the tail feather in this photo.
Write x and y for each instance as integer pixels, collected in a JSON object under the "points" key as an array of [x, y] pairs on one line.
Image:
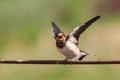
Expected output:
{"points": [[83, 54]]}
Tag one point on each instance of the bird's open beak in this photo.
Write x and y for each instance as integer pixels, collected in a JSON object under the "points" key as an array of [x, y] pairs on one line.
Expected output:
{"points": [[60, 38]]}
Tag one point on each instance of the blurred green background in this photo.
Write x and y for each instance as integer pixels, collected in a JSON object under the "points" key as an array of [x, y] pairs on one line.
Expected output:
{"points": [[25, 33]]}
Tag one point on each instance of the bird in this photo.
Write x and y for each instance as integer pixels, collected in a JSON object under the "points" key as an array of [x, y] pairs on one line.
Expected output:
{"points": [[67, 45]]}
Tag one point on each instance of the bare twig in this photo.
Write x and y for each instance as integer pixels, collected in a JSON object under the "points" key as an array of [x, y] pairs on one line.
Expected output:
{"points": [[56, 62]]}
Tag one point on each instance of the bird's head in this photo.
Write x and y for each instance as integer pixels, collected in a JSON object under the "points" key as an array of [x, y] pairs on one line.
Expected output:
{"points": [[60, 37]]}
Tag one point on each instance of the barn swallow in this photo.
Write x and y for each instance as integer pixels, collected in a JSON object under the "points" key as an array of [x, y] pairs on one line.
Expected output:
{"points": [[67, 45]]}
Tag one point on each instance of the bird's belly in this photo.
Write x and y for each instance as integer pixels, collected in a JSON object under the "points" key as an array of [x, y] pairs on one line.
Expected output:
{"points": [[69, 50]]}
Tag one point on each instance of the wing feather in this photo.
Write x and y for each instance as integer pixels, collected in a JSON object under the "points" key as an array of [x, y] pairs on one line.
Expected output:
{"points": [[55, 30], [74, 35]]}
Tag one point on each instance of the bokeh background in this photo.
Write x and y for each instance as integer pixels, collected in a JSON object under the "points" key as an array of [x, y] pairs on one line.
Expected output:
{"points": [[25, 33]]}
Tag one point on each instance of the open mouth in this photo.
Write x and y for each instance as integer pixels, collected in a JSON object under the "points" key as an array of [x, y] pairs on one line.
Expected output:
{"points": [[60, 38]]}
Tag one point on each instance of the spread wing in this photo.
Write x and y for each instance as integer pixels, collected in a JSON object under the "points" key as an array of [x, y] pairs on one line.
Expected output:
{"points": [[74, 35], [55, 30]]}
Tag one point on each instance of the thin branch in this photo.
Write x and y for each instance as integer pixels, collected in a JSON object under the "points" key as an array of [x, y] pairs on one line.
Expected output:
{"points": [[57, 62]]}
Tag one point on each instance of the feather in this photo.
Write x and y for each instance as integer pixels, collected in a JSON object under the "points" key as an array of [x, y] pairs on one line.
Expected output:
{"points": [[80, 29]]}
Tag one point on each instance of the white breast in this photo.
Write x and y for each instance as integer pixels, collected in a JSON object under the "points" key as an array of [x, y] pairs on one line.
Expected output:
{"points": [[70, 50]]}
